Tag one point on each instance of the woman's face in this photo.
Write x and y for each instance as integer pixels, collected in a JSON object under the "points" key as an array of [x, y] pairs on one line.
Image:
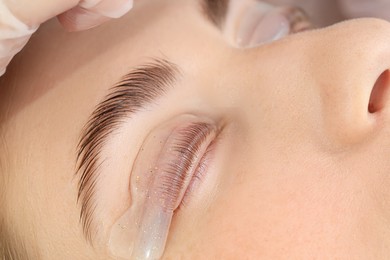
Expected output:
{"points": [[297, 165]]}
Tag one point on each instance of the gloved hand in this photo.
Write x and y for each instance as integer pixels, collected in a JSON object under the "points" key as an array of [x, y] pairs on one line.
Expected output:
{"points": [[21, 18], [366, 8]]}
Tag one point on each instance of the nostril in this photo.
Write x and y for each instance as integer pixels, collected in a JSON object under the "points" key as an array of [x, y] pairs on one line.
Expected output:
{"points": [[379, 93]]}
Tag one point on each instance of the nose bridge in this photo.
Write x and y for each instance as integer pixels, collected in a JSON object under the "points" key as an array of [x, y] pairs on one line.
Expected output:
{"points": [[350, 58], [272, 92], [318, 80], [351, 49]]}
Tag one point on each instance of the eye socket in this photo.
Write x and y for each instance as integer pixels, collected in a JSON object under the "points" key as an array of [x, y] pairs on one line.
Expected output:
{"points": [[178, 162], [173, 156], [175, 168]]}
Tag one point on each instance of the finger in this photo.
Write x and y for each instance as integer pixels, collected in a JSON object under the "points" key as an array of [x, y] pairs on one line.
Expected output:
{"points": [[90, 13], [14, 34], [34, 12], [20, 18]]}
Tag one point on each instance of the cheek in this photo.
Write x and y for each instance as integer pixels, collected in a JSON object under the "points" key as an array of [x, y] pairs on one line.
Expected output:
{"points": [[281, 206]]}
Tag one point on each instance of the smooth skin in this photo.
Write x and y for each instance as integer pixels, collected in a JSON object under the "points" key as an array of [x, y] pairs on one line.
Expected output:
{"points": [[300, 173]]}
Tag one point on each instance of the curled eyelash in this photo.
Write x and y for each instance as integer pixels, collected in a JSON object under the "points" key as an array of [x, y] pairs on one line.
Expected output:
{"points": [[200, 172], [180, 161], [166, 165]]}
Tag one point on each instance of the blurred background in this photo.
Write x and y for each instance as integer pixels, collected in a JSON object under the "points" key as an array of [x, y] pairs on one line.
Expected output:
{"points": [[327, 12]]}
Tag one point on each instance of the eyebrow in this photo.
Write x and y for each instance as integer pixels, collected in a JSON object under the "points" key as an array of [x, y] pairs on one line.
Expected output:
{"points": [[215, 11], [133, 92], [138, 88]]}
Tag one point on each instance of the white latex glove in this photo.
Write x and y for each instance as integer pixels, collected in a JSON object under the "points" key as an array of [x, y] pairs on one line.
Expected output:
{"points": [[21, 18], [366, 8]]}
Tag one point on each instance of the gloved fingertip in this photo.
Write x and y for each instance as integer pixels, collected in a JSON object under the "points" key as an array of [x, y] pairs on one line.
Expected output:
{"points": [[78, 19], [126, 6], [109, 8]]}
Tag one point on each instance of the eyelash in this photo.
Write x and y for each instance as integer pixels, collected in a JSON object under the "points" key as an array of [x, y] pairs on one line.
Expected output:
{"points": [[184, 168], [199, 174]]}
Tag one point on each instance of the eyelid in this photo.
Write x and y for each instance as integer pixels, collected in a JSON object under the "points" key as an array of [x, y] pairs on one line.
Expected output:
{"points": [[161, 174], [175, 168]]}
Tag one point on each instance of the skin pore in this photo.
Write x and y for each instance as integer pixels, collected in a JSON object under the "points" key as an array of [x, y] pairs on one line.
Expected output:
{"points": [[300, 169]]}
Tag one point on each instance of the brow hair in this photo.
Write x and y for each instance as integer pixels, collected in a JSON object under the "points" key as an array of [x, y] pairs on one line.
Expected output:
{"points": [[141, 86], [12, 247], [12, 244], [215, 11]]}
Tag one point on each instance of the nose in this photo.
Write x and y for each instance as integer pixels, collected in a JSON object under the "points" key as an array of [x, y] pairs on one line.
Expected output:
{"points": [[351, 71], [332, 83]]}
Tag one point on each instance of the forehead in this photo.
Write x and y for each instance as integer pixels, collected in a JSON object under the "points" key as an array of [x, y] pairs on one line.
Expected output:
{"points": [[53, 85], [47, 95]]}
